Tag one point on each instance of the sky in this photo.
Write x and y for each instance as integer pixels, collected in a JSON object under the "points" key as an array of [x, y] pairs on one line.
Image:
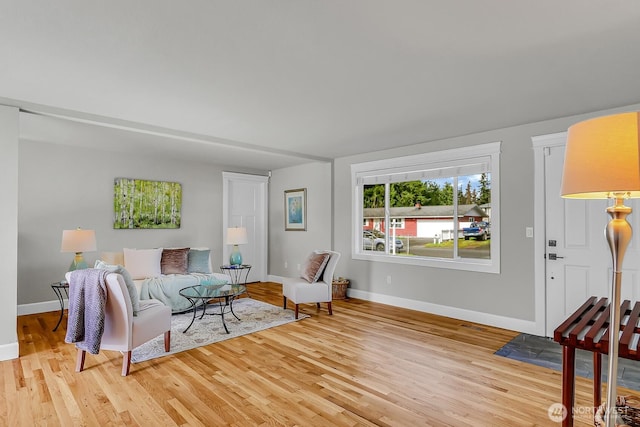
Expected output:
{"points": [[462, 181]]}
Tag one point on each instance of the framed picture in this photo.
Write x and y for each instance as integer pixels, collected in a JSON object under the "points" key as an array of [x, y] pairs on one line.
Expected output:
{"points": [[138, 203], [295, 210]]}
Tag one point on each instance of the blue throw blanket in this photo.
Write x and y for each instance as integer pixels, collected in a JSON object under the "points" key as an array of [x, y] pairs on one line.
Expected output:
{"points": [[87, 301], [166, 288]]}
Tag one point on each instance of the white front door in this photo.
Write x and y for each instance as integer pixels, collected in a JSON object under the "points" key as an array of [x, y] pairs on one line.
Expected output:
{"points": [[245, 205], [577, 257]]}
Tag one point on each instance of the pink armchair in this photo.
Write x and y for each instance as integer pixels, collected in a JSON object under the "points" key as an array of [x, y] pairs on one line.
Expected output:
{"points": [[300, 291], [122, 330]]}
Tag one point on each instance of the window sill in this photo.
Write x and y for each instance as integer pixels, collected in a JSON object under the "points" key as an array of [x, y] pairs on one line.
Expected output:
{"points": [[464, 264]]}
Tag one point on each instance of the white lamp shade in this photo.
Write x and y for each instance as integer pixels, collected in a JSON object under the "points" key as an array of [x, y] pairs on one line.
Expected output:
{"points": [[237, 236], [78, 241], [602, 157]]}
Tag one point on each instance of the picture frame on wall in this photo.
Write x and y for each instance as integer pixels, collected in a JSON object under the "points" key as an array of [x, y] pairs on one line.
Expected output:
{"points": [[295, 210], [140, 203]]}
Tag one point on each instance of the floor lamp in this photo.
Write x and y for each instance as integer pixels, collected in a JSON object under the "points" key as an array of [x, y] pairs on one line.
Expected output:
{"points": [[602, 161]]}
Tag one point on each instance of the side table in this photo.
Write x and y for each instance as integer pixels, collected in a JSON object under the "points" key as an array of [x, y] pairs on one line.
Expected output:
{"points": [[237, 273], [59, 288]]}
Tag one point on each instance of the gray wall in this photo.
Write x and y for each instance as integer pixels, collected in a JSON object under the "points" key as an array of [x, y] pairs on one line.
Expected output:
{"points": [[509, 294], [9, 126], [62, 187], [293, 247]]}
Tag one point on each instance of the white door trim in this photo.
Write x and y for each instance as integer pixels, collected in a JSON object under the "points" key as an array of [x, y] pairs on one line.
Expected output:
{"points": [[261, 238], [540, 144]]}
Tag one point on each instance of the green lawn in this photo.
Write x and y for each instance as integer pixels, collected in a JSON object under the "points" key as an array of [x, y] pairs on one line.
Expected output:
{"points": [[462, 244]]}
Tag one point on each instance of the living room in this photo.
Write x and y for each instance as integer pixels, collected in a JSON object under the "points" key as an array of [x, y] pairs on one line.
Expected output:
{"points": [[62, 184]]}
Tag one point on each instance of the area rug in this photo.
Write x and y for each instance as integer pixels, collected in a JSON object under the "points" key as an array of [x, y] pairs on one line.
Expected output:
{"points": [[254, 316], [545, 352]]}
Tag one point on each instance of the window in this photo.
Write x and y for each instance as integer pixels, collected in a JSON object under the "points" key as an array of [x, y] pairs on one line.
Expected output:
{"points": [[396, 222], [442, 209]]}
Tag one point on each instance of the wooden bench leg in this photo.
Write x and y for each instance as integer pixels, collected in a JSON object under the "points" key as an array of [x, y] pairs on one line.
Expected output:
{"points": [[597, 380], [568, 382]]}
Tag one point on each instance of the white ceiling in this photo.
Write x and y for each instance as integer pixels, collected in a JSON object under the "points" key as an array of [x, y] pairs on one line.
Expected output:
{"points": [[272, 83]]}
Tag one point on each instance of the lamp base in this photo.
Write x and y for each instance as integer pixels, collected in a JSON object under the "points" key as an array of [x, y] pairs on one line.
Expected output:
{"points": [[78, 263], [236, 257], [618, 233]]}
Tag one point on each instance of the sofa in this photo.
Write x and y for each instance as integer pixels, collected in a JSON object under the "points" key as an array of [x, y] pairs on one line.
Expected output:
{"points": [[160, 273]]}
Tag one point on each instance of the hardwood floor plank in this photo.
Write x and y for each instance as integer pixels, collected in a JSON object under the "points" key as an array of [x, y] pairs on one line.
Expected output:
{"points": [[367, 365]]}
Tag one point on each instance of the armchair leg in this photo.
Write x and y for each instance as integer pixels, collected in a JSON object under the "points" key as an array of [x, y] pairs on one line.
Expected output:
{"points": [[80, 360], [330, 310], [167, 341], [126, 363], [284, 302], [296, 311]]}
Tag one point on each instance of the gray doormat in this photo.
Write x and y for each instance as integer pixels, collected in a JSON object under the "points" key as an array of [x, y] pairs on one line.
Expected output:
{"points": [[545, 352]]}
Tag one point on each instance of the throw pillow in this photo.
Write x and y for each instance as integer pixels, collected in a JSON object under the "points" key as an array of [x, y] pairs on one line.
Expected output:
{"points": [[314, 266], [131, 287], [198, 261], [174, 261], [142, 263]]}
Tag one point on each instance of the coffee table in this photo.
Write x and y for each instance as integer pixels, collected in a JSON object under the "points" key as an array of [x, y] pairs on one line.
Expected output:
{"points": [[220, 296]]}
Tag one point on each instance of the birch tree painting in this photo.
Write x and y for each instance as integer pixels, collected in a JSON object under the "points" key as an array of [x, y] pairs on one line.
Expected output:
{"points": [[139, 203]]}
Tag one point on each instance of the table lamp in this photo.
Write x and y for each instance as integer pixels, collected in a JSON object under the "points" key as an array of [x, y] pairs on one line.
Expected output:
{"points": [[602, 161], [78, 241], [236, 236]]}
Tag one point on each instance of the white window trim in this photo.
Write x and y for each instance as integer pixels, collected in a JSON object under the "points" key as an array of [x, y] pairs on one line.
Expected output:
{"points": [[430, 161], [398, 221]]}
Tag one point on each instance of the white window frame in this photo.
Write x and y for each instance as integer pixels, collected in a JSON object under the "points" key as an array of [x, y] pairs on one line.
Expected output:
{"points": [[453, 162], [397, 223]]}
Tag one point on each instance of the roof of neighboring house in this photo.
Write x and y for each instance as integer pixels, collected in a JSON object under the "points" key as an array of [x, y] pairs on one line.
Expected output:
{"points": [[424, 212]]}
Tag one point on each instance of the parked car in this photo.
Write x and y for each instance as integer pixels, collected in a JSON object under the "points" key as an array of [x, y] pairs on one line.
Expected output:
{"points": [[376, 240], [479, 230]]}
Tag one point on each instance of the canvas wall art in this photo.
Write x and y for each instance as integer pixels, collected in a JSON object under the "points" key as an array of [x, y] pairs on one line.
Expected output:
{"points": [[138, 203]]}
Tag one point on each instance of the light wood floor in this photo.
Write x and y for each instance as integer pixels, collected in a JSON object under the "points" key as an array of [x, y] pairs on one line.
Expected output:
{"points": [[367, 365]]}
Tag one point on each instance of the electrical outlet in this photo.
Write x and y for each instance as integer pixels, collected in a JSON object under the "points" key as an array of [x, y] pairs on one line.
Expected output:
{"points": [[285, 266], [389, 282], [299, 270], [529, 233]]}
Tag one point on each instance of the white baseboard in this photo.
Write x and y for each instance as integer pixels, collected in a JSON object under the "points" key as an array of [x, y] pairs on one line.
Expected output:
{"points": [[519, 325], [9, 351], [510, 323], [40, 307]]}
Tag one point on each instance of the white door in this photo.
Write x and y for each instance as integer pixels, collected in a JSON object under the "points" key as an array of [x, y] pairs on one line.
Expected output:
{"points": [[245, 205], [577, 257]]}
